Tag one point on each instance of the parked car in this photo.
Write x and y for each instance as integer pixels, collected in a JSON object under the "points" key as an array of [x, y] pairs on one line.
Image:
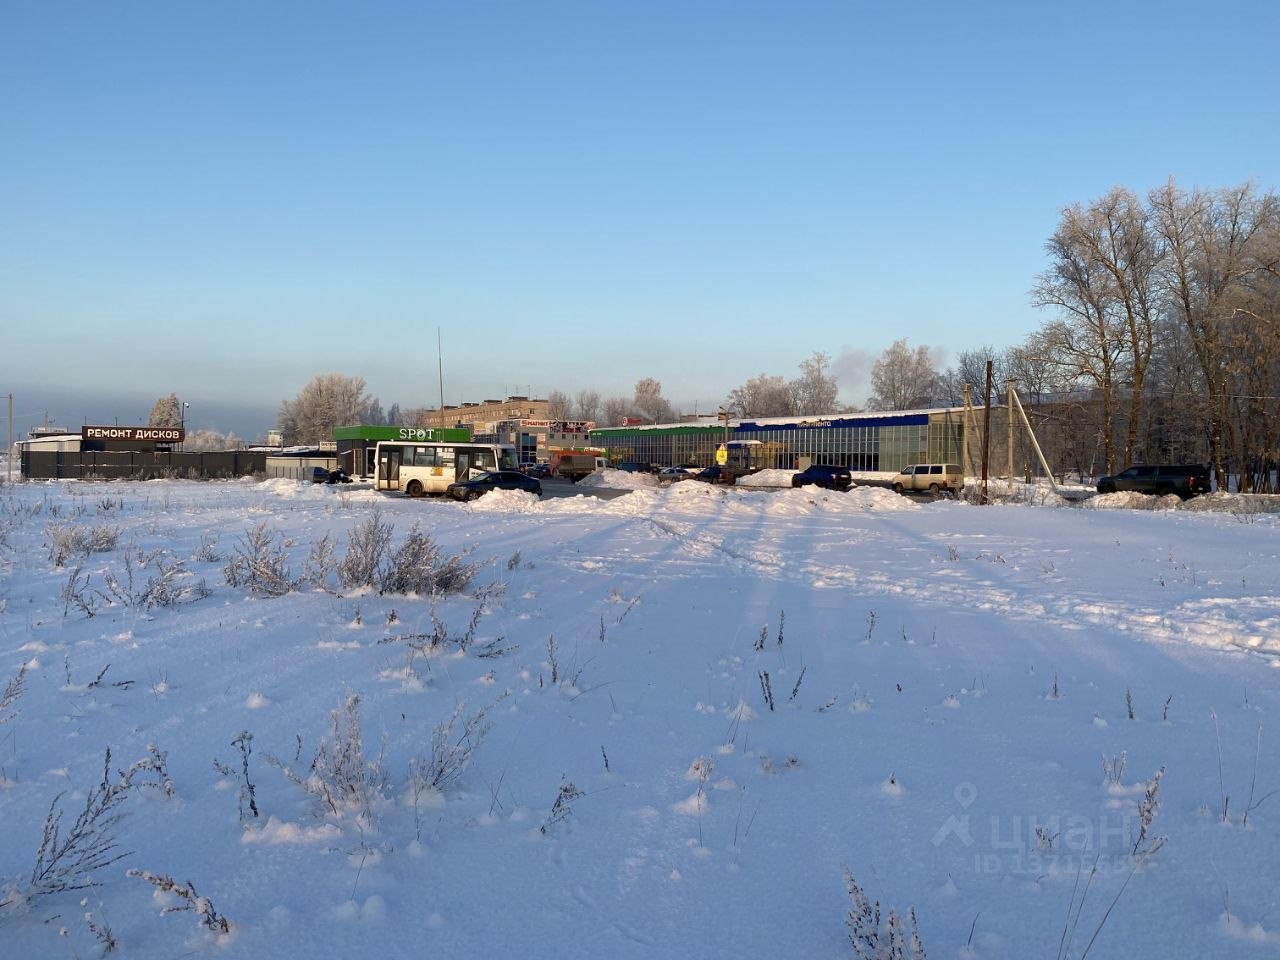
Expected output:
{"points": [[715, 474], [1183, 480], [493, 480], [936, 478], [677, 473], [538, 470], [636, 466], [321, 475], [828, 476]]}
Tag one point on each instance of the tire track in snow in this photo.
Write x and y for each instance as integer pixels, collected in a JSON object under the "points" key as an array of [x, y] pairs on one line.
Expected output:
{"points": [[1249, 625]]}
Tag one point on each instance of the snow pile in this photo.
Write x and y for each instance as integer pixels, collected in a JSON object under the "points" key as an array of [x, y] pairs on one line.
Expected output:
{"points": [[618, 480], [1127, 500], [767, 478]]}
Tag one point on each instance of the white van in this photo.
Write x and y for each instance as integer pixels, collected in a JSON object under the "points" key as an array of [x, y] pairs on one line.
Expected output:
{"points": [[934, 477]]}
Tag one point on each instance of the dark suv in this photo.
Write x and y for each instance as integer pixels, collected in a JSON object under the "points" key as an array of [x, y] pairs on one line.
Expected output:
{"points": [[1184, 480], [823, 475]]}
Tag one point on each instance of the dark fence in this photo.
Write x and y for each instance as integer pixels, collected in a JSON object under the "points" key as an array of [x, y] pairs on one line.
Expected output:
{"points": [[132, 465]]}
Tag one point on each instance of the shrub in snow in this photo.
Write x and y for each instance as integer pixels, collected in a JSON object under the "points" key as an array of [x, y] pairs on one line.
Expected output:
{"points": [[202, 907], [248, 798], [13, 690], [453, 742], [320, 564], [66, 540], [418, 567], [872, 939], [453, 574], [156, 765], [1145, 844], [563, 805], [77, 593], [1113, 769], [367, 545], [167, 585], [69, 856], [341, 777], [259, 563]]}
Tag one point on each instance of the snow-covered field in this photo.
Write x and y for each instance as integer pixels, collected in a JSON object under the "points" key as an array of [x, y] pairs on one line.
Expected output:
{"points": [[690, 710]]}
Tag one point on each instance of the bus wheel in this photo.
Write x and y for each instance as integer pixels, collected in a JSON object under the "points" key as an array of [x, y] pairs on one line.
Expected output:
{"points": [[414, 489]]}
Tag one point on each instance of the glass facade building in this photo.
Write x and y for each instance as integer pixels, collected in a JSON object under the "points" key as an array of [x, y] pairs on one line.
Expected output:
{"points": [[867, 442]]}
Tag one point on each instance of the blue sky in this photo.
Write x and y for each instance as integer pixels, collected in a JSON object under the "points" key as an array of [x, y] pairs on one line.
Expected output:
{"points": [[222, 200]]}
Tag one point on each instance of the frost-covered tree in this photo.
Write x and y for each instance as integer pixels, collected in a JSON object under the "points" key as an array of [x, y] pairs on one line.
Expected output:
{"points": [[587, 405], [903, 379], [814, 391], [559, 406], [762, 396], [328, 400], [207, 441], [970, 369], [167, 412], [653, 406], [614, 410]]}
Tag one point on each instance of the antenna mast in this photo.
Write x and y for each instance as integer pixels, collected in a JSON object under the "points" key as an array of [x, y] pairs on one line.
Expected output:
{"points": [[440, 369]]}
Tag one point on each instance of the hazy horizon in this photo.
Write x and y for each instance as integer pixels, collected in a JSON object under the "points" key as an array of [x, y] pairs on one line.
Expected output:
{"points": [[571, 196]]}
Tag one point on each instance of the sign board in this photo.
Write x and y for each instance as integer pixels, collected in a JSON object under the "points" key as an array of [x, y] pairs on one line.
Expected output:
{"points": [[382, 432], [148, 434], [559, 426]]}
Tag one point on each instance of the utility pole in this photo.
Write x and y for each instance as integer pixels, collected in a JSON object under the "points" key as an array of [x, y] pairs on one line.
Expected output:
{"points": [[986, 434], [1008, 409], [8, 451], [725, 414], [440, 369]]}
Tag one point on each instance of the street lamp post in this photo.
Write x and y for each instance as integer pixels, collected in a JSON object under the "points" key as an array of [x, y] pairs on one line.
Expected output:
{"points": [[8, 451], [725, 414], [182, 422]]}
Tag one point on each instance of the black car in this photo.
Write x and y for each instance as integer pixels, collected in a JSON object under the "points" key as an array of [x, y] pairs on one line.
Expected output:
{"points": [[1184, 480], [536, 470], [715, 474], [321, 475], [823, 475], [493, 480]]}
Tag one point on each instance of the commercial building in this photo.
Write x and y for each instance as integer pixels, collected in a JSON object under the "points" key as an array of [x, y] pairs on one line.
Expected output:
{"points": [[127, 453], [864, 442], [523, 422]]}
